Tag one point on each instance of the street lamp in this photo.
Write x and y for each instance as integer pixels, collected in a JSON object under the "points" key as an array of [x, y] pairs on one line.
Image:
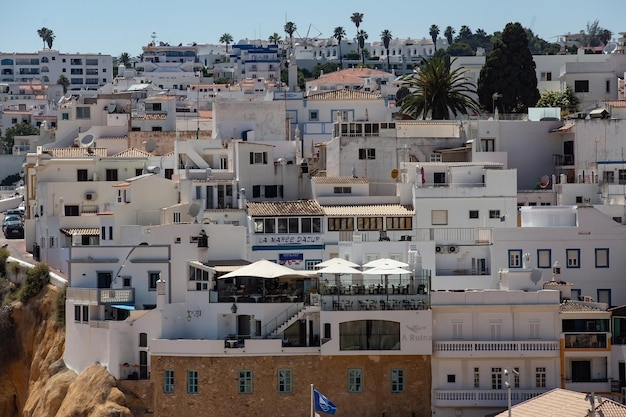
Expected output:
{"points": [[507, 383]]}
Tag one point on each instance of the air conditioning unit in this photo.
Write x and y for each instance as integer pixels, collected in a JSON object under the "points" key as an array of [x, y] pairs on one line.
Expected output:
{"points": [[90, 196], [439, 249], [453, 249], [588, 298]]}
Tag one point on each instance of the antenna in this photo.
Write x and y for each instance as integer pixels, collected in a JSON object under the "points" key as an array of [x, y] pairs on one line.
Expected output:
{"points": [[609, 48], [112, 106], [87, 141], [544, 182], [194, 209]]}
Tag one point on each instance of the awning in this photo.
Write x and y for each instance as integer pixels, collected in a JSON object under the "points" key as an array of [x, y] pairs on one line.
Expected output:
{"points": [[89, 231], [123, 307]]}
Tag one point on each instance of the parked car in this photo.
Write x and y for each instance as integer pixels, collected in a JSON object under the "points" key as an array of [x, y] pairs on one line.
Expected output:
{"points": [[14, 212], [12, 226]]}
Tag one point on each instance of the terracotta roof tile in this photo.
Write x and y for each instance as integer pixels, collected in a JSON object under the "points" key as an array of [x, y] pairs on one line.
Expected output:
{"points": [[339, 180], [132, 153], [285, 208], [577, 307], [90, 231], [75, 152], [344, 94], [370, 210]]}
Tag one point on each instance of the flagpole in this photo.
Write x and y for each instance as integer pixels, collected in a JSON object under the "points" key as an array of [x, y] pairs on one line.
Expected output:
{"points": [[312, 402]]}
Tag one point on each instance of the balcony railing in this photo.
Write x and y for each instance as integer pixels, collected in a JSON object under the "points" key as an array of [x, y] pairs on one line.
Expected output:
{"points": [[585, 341], [97, 296], [482, 398], [459, 235], [496, 348]]}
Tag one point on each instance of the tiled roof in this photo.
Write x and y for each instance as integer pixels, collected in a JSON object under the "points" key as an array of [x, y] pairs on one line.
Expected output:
{"points": [[339, 180], [576, 307], [616, 103], [564, 128], [344, 94], [132, 153], [285, 208], [370, 210], [89, 231], [564, 403], [357, 72], [151, 117], [75, 152]]}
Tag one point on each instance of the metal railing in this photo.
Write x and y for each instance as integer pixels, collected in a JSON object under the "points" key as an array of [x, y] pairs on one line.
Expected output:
{"points": [[282, 317]]}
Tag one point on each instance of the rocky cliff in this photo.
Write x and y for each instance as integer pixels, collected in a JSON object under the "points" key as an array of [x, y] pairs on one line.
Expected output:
{"points": [[36, 382]]}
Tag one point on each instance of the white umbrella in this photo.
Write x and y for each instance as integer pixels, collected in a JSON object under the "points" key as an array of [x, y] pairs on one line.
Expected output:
{"points": [[385, 262], [338, 270], [336, 261], [263, 269], [385, 271]]}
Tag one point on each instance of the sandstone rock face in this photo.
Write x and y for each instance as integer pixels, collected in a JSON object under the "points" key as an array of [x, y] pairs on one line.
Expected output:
{"points": [[36, 382]]}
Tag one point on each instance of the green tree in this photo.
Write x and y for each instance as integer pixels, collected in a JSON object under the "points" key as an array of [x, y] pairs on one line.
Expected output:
{"points": [[327, 67], [385, 37], [434, 33], [566, 100], [449, 34], [361, 36], [509, 71], [437, 91], [595, 35], [290, 28], [339, 33], [124, 59], [357, 18], [465, 34], [47, 36], [275, 38], [21, 129], [227, 39], [460, 48], [64, 82]]}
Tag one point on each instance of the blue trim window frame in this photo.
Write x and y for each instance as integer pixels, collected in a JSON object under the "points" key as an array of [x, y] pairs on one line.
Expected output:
{"points": [[544, 258], [355, 380], [168, 381], [573, 258], [515, 258], [285, 381], [192, 382], [397, 380], [245, 381], [314, 115], [576, 292], [604, 295], [602, 257]]}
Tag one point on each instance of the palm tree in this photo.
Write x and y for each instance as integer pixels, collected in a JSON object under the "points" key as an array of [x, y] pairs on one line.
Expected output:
{"points": [[339, 33], [124, 59], [63, 81], [227, 39], [434, 33], [385, 36], [436, 90], [46, 35], [275, 38], [361, 36], [49, 39], [357, 18], [290, 28], [449, 34]]}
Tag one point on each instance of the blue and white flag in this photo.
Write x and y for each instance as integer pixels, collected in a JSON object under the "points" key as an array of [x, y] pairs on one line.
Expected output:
{"points": [[322, 403]]}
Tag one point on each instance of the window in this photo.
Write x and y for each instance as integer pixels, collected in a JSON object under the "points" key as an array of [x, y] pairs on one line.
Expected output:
{"points": [[83, 113], [327, 332], [85, 314], [546, 76], [439, 217], [157, 128], [515, 258], [451, 378], [245, 382], [473, 214], [77, 311], [607, 86], [143, 339], [336, 224], [397, 380], [314, 116], [111, 174], [399, 223], [192, 382], [496, 378], [285, 381], [476, 377], [311, 225], [168, 381], [355, 380], [257, 158], [494, 214], [65, 116], [72, 210], [487, 145], [544, 258], [581, 86], [309, 265], [369, 335], [342, 190], [573, 258], [288, 225], [457, 330], [516, 377], [540, 377], [153, 277], [621, 176], [495, 328], [604, 296], [367, 153], [369, 223], [81, 175], [602, 257], [439, 179], [533, 331]]}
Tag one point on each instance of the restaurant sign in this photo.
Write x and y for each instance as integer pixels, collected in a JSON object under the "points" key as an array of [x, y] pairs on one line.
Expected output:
{"points": [[289, 239]]}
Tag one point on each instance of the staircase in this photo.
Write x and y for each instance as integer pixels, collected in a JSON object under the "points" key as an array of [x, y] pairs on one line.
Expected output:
{"points": [[282, 321]]}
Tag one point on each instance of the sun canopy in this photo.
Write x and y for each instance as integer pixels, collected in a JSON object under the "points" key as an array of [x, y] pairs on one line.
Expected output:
{"points": [[386, 270], [263, 269], [385, 262], [336, 261], [338, 269]]}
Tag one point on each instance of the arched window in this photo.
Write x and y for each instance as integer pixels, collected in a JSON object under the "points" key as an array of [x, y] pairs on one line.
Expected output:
{"points": [[45, 69], [44, 59]]}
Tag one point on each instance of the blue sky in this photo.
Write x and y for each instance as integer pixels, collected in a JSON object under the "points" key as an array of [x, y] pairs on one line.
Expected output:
{"points": [[124, 26]]}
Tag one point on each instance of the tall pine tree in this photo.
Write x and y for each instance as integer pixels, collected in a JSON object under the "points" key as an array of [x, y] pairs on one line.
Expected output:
{"points": [[508, 79]]}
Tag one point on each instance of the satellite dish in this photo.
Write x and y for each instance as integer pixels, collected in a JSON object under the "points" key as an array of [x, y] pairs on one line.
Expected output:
{"points": [[87, 140], [194, 209], [150, 145], [112, 106], [545, 181], [610, 48], [535, 275]]}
